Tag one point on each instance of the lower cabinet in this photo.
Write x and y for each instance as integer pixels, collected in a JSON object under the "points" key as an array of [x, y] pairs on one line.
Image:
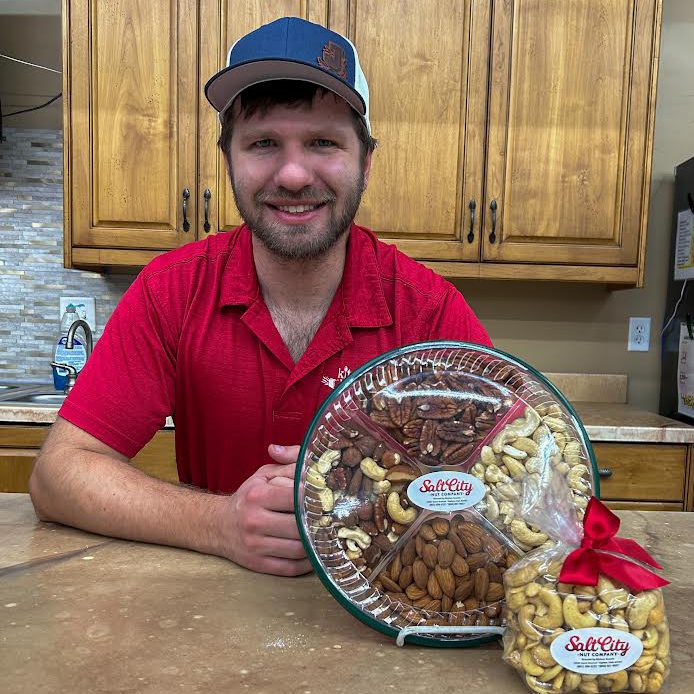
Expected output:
{"points": [[20, 444], [645, 476]]}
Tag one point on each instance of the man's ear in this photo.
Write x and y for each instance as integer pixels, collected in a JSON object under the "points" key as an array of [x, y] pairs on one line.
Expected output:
{"points": [[367, 169]]}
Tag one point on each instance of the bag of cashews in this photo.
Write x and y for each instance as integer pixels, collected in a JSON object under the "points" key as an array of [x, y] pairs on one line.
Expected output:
{"points": [[587, 614]]}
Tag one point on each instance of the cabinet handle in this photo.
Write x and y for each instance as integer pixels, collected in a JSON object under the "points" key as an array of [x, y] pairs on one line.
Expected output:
{"points": [[605, 472], [207, 195], [471, 234], [492, 235], [186, 223]]}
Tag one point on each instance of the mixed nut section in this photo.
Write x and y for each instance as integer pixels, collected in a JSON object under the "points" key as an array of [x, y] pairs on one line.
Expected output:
{"points": [[539, 609]]}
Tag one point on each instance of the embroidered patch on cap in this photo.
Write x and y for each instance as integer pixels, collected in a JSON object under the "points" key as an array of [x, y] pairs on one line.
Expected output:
{"points": [[333, 59]]}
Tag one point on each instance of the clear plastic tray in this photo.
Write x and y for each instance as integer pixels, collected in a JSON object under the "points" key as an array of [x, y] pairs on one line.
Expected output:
{"points": [[411, 479]]}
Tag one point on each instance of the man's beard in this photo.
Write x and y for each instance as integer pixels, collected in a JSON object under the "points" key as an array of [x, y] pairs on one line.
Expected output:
{"points": [[300, 242]]}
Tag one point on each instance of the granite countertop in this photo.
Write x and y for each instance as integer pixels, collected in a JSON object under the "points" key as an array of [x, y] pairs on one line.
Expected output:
{"points": [[80, 612]]}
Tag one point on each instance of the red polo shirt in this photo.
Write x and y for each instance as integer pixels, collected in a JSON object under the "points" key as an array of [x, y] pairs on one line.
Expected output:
{"points": [[193, 338]]}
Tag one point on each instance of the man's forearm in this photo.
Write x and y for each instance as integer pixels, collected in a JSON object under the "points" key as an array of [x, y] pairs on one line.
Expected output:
{"points": [[95, 492]]}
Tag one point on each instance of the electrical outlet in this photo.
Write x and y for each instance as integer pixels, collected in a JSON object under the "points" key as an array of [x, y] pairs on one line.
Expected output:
{"points": [[639, 334], [86, 308]]}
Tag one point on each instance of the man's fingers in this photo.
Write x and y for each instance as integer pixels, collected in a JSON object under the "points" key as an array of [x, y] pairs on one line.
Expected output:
{"points": [[283, 567], [283, 548], [279, 525], [283, 454], [280, 481]]}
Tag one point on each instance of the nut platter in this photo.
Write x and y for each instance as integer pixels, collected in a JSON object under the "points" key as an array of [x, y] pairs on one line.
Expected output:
{"points": [[413, 478]]}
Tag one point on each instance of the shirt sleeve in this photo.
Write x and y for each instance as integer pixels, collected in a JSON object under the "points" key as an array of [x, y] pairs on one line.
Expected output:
{"points": [[127, 387], [453, 319]]}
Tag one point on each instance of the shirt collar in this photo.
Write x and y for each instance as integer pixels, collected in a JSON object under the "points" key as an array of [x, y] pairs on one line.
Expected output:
{"points": [[364, 303]]}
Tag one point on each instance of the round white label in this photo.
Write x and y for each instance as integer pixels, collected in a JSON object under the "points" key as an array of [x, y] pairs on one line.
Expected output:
{"points": [[446, 491], [596, 651]]}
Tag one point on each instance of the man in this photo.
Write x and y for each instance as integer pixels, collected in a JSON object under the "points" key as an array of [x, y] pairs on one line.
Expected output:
{"points": [[241, 336]]}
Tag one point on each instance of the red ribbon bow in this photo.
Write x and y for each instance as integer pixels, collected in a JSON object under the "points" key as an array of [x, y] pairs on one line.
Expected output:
{"points": [[584, 565]]}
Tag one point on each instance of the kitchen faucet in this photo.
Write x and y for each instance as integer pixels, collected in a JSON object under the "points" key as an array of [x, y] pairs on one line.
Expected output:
{"points": [[70, 344]]}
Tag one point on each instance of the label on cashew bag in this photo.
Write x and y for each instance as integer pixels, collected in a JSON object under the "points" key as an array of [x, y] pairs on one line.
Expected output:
{"points": [[596, 651], [446, 491]]}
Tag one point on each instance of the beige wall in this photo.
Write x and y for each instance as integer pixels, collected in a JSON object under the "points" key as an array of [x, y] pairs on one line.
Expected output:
{"points": [[37, 39], [583, 328], [553, 326]]}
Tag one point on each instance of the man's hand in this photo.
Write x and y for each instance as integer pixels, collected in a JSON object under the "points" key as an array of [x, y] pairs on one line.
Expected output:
{"points": [[263, 535]]}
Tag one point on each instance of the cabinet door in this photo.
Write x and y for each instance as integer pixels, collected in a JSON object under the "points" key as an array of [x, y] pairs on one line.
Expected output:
{"points": [[223, 23], [571, 110], [131, 134], [426, 65]]}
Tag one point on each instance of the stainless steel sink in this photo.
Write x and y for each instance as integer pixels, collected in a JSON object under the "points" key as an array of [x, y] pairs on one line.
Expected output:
{"points": [[28, 395], [48, 399]]}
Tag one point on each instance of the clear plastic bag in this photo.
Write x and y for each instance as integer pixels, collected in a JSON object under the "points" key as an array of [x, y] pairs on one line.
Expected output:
{"points": [[563, 637], [477, 424]]}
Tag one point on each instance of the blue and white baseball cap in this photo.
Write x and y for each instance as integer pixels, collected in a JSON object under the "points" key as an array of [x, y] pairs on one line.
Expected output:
{"points": [[292, 49]]}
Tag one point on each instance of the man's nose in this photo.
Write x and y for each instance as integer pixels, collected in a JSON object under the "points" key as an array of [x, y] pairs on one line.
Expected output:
{"points": [[294, 171]]}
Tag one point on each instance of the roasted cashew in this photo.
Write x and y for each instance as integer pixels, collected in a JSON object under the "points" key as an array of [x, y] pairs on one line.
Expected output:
{"points": [[382, 486], [507, 491], [572, 680], [515, 468], [648, 636], [326, 461], [362, 538], [524, 534], [654, 682], [555, 423], [401, 515], [529, 665], [514, 452], [616, 681], [614, 597], [554, 616], [314, 478], [527, 445], [573, 617], [327, 499], [492, 508], [636, 682], [572, 452], [525, 624], [522, 575], [576, 478], [534, 465], [373, 470], [638, 610], [644, 663], [551, 673], [494, 475], [535, 685], [542, 656], [478, 471], [521, 427], [487, 456]]}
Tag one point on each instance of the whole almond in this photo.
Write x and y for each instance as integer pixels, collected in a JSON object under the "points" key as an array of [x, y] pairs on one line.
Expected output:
{"points": [[389, 583], [446, 603], [409, 552], [457, 542], [432, 606], [446, 580], [419, 545], [464, 589], [446, 553], [493, 548], [433, 587], [471, 535], [426, 532], [459, 566], [476, 561], [494, 592], [406, 577], [471, 603], [430, 555], [414, 592], [395, 567], [440, 526], [495, 573], [420, 573], [481, 583]]}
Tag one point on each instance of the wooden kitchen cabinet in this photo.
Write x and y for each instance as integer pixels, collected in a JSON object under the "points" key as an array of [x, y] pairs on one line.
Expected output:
{"points": [[475, 105], [644, 476], [20, 444]]}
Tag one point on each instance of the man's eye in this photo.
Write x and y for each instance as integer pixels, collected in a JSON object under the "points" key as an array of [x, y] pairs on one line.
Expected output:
{"points": [[263, 144], [321, 142]]}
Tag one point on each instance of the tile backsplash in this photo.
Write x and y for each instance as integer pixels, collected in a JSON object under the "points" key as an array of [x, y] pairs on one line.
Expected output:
{"points": [[32, 276]]}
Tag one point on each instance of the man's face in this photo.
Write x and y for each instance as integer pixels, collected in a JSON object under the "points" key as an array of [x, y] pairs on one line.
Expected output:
{"points": [[297, 175]]}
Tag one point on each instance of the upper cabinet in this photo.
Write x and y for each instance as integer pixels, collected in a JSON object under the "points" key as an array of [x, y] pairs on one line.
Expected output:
{"points": [[515, 138]]}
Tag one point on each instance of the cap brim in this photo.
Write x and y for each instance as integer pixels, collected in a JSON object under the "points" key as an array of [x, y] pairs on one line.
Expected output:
{"points": [[227, 84]]}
